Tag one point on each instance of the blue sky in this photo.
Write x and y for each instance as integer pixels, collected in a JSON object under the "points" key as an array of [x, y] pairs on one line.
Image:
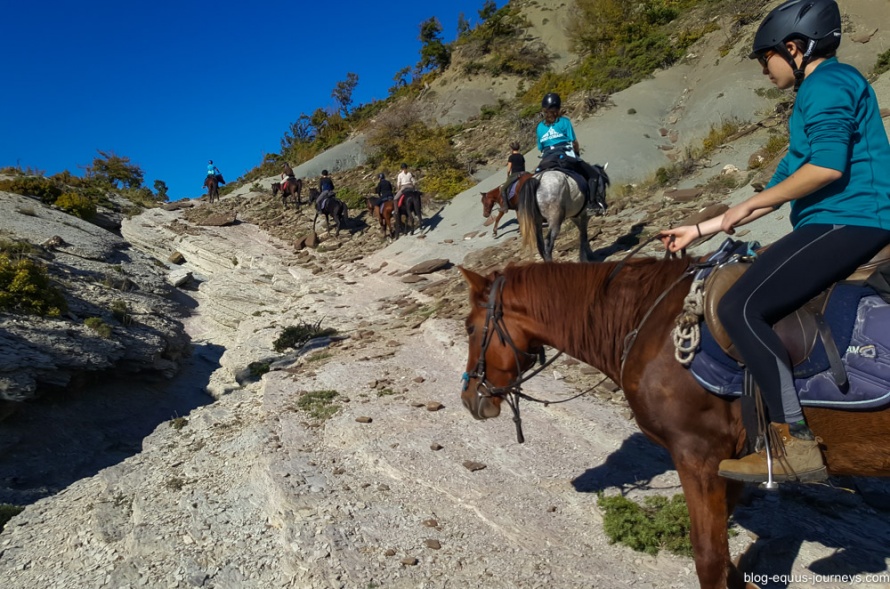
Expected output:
{"points": [[173, 84]]}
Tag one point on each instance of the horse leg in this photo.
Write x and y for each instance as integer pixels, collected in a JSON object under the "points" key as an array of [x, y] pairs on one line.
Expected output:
{"points": [[550, 241], [586, 254], [710, 499], [497, 219]]}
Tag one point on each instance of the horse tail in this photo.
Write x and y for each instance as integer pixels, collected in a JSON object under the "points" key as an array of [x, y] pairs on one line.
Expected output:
{"points": [[527, 213]]}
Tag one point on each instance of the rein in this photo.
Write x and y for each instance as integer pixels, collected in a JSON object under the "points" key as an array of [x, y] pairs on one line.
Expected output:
{"points": [[512, 392]]}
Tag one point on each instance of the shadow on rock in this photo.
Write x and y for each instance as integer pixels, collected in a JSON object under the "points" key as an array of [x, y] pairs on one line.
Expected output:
{"points": [[64, 436]]}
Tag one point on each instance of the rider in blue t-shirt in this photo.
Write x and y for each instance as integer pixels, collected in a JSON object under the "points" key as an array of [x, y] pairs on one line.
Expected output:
{"points": [[211, 169], [557, 140]]}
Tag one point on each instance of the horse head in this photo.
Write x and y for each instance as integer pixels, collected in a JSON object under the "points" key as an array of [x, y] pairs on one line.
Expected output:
{"points": [[276, 186], [488, 200], [501, 349]]}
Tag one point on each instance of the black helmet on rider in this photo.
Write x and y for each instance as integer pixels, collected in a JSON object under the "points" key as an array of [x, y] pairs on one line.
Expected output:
{"points": [[551, 100], [817, 23], [381, 176], [404, 166], [324, 172]]}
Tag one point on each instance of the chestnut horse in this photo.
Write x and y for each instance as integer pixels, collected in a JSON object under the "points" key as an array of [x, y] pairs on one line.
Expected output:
{"points": [[622, 327], [211, 183], [293, 188], [384, 214], [494, 197]]}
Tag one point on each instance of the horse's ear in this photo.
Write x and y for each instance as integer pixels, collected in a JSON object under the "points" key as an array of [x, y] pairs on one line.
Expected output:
{"points": [[478, 284]]}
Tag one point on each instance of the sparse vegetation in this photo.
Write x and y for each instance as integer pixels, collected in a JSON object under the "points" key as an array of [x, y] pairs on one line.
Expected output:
{"points": [[882, 64], [319, 404], [101, 328], [7, 512], [296, 336], [658, 524], [258, 369], [178, 423], [121, 312]]}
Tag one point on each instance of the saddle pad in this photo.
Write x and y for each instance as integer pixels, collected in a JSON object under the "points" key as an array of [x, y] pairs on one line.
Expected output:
{"points": [[866, 361]]}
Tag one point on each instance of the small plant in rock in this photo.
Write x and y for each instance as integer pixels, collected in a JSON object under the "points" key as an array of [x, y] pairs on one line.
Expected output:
{"points": [[257, 369], [658, 524], [178, 423], [101, 328], [319, 356], [25, 287], [882, 64], [296, 336], [7, 512], [319, 404], [121, 312]]}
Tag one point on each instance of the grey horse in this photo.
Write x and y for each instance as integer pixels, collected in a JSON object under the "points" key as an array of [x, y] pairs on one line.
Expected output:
{"points": [[554, 196]]}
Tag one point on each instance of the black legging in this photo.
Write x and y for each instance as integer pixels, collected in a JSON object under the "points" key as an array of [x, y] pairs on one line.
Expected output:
{"points": [[788, 274]]}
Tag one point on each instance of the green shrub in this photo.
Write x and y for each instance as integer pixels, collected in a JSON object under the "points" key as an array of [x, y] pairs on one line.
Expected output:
{"points": [[7, 512], [717, 136], [658, 524], [319, 404], [882, 64], [352, 197], [43, 188], [99, 326], [77, 205], [25, 287], [296, 336], [257, 369], [446, 183]]}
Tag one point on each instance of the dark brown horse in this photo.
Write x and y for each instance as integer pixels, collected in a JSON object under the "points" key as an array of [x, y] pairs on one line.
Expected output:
{"points": [[411, 208], [329, 206], [494, 197], [384, 215], [622, 327], [293, 188], [211, 183]]}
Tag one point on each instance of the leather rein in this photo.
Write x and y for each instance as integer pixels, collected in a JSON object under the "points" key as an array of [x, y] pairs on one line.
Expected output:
{"points": [[512, 392]]}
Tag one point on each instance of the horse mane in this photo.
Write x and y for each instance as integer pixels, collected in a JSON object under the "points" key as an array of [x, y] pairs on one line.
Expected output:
{"points": [[598, 309]]}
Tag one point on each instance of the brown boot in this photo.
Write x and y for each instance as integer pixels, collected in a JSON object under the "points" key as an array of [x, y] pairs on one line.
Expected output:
{"points": [[793, 460]]}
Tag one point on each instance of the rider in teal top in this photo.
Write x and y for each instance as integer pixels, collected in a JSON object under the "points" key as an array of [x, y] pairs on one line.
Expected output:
{"points": [[211, 169], [557, 140], [556, 131], [835, 177]]}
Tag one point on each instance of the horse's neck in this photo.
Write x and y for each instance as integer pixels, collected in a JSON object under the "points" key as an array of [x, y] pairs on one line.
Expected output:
{"points": [[582, 316]]}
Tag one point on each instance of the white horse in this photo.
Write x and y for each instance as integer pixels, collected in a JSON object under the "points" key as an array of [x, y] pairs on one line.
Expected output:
{"points": [[554, 196]]}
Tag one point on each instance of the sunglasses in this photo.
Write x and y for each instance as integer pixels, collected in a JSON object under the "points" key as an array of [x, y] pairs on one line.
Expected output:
{"points": [[764, 58]]}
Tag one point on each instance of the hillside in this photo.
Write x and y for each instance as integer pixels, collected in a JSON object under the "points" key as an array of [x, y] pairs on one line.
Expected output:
{"points": [[400, 487]]}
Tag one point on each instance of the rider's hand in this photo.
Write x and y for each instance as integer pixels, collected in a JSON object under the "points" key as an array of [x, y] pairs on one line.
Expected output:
{"points": [[733, 216], [678, 238]]}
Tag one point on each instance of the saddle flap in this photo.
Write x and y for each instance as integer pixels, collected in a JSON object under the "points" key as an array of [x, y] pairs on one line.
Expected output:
{"points": [[797, 330]]}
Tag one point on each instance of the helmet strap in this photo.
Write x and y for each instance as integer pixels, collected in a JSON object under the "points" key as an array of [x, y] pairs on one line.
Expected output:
{"points": [[800, 72]]}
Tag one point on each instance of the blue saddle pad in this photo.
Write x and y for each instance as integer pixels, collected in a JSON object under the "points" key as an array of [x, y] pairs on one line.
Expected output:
{"points": [[860, 325]]}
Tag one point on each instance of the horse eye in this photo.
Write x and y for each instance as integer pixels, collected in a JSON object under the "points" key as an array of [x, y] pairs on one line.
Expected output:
{"points": [[471, 329]]}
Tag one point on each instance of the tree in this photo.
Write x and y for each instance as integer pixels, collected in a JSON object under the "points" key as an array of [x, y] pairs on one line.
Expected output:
{"points": [[300, 131], [463, 25], [342, 92], [116, 170], [433, 53], [488, 9], [161, 189]]}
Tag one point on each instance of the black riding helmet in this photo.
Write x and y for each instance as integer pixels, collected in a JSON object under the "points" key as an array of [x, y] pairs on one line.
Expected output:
{"points": [[817, 22], [381, 176], [551, 100]]}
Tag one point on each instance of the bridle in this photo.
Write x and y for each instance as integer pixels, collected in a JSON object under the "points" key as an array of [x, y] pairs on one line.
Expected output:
{"points": [[512, 392]]}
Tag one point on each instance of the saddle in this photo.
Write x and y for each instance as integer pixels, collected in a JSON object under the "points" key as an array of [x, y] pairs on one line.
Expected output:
{"points": [[798, 330]]}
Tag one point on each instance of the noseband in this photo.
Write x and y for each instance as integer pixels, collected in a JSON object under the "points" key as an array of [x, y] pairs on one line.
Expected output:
{"points": [[512, 392]]}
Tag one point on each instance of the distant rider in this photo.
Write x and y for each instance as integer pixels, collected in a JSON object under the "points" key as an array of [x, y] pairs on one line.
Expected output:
{"points": [[405, 182], [383, 190], [287, 175], [515, 168], [557, 141]]}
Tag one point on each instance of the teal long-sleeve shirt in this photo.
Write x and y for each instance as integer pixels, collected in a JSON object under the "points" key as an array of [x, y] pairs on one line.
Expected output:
{"points": [[836, 123]]}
